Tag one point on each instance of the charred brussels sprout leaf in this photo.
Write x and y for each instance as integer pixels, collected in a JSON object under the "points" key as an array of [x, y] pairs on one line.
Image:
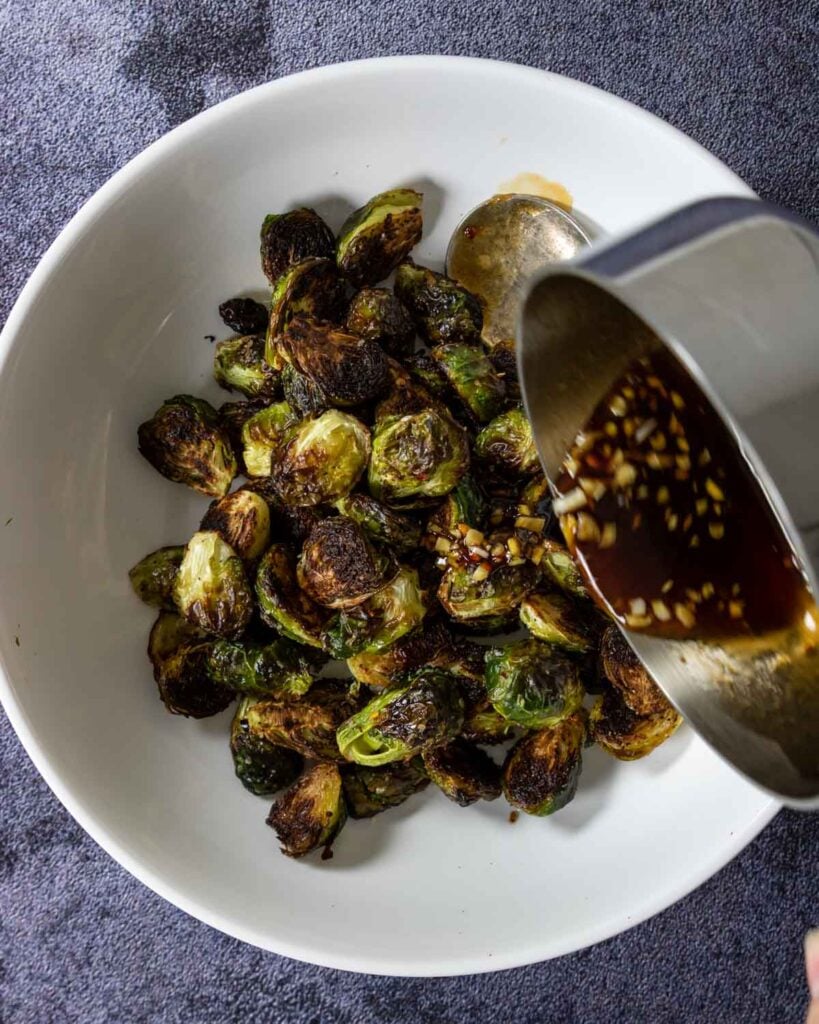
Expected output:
{"points": [[559, 621], [262, 767], [153, 576], [505, 362], [346, 369], [624, 670], [532, 685], [264, 436], [382, 669], [483, 724], [291, 238], [277, 668], [339, 567], [375, 238], [179, 655], [211, 590], [469, 594], [541, 770], [307, 725], [400, 723], [463, 773], [377, 315], [324, 459], [506, 444], [562, 569], [311, 289], [473, 379], [416, 458], [186, 442], [244, 316], [443, 311], [397, 531], [239, 365], [302, 393], [465, 504], [368, 791], [625, 735], [282, 603], [242, 520], [311, 813]]}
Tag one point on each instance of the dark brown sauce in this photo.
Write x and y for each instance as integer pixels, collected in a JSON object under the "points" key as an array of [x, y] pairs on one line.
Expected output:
{"points": [[666, 518]]}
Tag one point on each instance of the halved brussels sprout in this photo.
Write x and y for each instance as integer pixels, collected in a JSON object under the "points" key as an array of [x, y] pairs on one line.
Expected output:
{"points": [[382, 669], [346, 369], [463, 773], [179, 655], [473, 379], [185, 441], [375, 624], [239, 365], [541, 770], [532, 685], [211, 590], [302, 393], [264, 436], [369, 791], [429, 374], [624, 670], [261, 766], [397, 531], [443, 311], [562, 569], [152, 578], [506, 444], [232, 417], [324, 459], [289, 238], [559, 621], [244, 315], [626, 735], [272, 669], [483, 724], [311, 813], [283, 605], [464, 504], [472, 593], [375, 238], [376, 314], [242, 520], [404, 395], [339, 567], [311, 289], [408, 720], [308, 724], [417, 457]]}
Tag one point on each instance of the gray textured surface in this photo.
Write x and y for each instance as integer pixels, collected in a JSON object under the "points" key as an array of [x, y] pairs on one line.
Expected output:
{"points": [[86, 85]]}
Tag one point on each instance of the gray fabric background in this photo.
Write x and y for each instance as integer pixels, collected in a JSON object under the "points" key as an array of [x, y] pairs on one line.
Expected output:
{"points": [[84, 86]]}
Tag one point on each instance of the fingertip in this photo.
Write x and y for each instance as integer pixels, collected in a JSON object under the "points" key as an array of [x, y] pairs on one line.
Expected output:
{"points": [[812, 961]]}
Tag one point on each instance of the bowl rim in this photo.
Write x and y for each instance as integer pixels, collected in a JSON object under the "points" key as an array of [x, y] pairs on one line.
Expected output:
{"points": [[79, 225]]}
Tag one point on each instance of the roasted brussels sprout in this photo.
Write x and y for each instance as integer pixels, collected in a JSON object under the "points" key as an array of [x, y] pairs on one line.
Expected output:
{"points": [[179, 655], [465, 504], [397, 531], [404, 395], [473, 594], [443, 311], [232, 417], [405, 721], [506, 445], [242, 520], [345, 369], [290, 238], [541, 770], [532, 685], [311, 289], [626, 735], [624, 670], [559, 621], [276, 668], [382, 669], [282, 603], [472, 377], [377, 315], [311, 813], [562, 569], [244, 316], [483, 724], [290, 523], [504, 360], [368, 791], [264, 436], [302, 393], [417, 457], [239, 365], [153, 576], [375, 624], [211, 590], [261, 766], [375, 238], [466, 662], [185, 441], [463, 772], [339, 567], [307, 725], [536, 496], [323, 460]]}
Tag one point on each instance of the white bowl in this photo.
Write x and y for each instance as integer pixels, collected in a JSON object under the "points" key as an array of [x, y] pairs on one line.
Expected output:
{"points": [[113, 321]]}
